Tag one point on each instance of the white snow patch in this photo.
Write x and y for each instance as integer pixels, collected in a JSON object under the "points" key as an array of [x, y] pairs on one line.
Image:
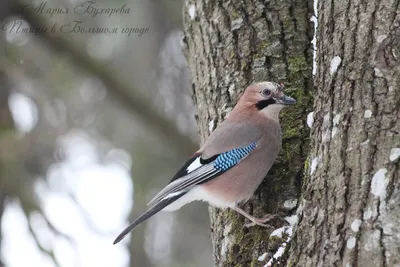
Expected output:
{"points": [[194, 165], [236, 24], [336, 120], [300, 208], [192, 11], [263, 257], [367, 114], [289, 231], [314, 40], [290, 203], [351, 242], [325, 137], [314, 43], [355, 225], [394, 154], [226, 240], [326, 118], [365, 142], [227, 229], [380, 38], [334, 131], [313, 19], [292, 220], [335, 62], [389, 228], [378, 72], [224, 247], [314, 164], [310, 119], [367, 214], [348, 265], [279, 232], [211, 126], [379, 183], [277, 255]]}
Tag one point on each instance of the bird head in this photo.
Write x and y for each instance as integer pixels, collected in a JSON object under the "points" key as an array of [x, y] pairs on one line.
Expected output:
{"points": [[268, 93], [267, 97]]}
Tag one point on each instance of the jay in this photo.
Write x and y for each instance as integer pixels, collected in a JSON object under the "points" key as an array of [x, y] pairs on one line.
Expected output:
{"points": [[234, 159]]}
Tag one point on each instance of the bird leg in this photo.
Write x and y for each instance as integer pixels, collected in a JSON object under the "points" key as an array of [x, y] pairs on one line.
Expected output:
{"points": [[257, 221]]}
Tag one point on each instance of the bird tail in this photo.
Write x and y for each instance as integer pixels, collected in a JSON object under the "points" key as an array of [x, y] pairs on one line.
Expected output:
{"points": [[146, 215]]}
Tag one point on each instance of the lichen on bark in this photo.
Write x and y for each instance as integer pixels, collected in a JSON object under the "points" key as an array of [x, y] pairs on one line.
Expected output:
{"points": [[351, 197]]}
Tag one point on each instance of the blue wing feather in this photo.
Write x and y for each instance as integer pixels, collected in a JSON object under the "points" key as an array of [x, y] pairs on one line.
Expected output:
{"points": [[209, 169], [227, 160]]}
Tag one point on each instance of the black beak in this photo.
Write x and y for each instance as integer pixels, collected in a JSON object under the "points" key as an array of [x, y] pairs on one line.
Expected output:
{"points": [[285, 100]]}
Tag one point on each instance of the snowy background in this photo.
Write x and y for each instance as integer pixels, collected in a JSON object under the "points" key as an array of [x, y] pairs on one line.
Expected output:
{"points": [[76, 163]]}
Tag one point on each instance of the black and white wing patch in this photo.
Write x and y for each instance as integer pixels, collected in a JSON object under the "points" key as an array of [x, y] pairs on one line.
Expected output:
{"points": [[197, 171]]}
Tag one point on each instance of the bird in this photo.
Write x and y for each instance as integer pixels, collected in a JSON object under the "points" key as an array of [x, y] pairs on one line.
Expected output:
{"points": [[234, 159]]}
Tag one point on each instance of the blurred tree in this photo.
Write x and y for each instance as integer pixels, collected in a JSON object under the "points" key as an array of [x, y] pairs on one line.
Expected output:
{"points": [[78, 89], [6, 133], [6, 126]]}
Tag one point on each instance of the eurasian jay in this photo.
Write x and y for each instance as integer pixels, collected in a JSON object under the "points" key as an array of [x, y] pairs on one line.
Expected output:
{"points": [[233, 161]]}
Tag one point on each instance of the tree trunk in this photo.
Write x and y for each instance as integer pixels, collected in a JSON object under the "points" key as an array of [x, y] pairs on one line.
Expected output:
{"points": [[350, 202], [350, 206], [230, 45]]}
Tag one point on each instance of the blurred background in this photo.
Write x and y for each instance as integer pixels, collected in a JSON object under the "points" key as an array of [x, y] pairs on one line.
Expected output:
{"points": [[95, 118]]}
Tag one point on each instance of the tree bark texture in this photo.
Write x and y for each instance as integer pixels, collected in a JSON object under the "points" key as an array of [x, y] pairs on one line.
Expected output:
{"points": [[229, 45], [349, 212]]}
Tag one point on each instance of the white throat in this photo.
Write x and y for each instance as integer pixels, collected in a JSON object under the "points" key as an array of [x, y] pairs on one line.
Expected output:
{"points": [[273, 110]]}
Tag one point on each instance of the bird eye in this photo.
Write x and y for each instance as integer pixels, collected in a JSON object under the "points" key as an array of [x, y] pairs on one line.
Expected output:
{"points": [[266, 92]]}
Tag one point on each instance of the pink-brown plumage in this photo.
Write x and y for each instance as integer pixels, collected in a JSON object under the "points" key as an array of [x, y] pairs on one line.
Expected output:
{"points": [[242, 180], [233, 161]]}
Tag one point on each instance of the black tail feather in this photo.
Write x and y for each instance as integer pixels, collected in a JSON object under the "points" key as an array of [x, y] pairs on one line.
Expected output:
{"points": [[149, 213]]}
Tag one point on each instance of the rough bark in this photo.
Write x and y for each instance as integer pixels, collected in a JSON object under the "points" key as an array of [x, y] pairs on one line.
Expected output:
{"points": [[350, 206], [230, 45]]}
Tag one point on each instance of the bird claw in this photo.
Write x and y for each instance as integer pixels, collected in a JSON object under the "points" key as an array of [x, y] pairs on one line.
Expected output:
{"points": [[248, 225], [262, 221]]}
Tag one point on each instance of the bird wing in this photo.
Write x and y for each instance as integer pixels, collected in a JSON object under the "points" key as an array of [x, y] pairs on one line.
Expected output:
{"points": [[226, 147], [229, 136], [202, 170], [198, 171]]}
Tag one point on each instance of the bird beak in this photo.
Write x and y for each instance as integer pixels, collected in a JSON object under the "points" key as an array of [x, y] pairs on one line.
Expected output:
{"points": [[285, 100]]}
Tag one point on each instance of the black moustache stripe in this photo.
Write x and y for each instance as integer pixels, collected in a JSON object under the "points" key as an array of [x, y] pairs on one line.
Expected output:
{"points": [[265, 103]]}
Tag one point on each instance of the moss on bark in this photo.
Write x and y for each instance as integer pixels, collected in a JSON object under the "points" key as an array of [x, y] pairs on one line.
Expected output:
{"points": [[230, 45]]}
